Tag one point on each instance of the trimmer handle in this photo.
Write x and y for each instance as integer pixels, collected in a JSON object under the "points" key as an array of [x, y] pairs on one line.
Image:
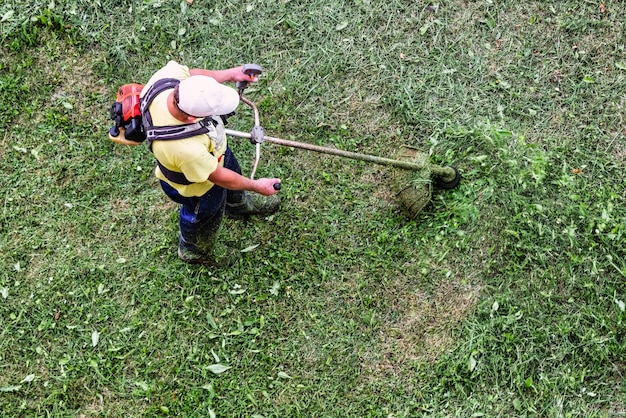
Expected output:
{"points": [[251, 70]]}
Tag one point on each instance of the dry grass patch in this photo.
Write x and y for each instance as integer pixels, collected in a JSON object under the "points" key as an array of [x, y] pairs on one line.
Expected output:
{"points": [[418, 326]]}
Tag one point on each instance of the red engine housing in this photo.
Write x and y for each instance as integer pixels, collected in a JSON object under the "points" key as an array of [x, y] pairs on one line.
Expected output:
{"points": [[128, 96], [126, 115]]}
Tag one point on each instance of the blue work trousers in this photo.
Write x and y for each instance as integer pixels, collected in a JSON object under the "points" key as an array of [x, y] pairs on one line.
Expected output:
{"points": [[201, 216]]}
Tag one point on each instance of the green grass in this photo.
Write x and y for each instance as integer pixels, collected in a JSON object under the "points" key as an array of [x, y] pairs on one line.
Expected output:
{"points": [[504, 298]]}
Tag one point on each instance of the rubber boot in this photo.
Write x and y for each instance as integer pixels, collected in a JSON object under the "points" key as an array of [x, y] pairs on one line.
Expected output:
{"points": [[201, 246], [241, 204]]}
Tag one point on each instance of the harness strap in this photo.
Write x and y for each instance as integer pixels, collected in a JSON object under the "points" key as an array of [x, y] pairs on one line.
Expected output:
{"points": [[179, 131], [175, 176], [157, 88], [178, 177], [166, 133]]}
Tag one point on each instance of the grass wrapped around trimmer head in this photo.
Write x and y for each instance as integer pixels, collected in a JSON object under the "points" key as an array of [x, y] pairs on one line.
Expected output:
{"points": [[412, 188]]}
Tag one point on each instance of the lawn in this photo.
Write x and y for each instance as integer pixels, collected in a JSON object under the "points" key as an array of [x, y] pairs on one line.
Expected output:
{"points": [[504, 297]]}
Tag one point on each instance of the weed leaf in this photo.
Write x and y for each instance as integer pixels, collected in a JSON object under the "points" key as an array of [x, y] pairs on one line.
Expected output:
{"points": [[10, 388], [341, 26], [211, 320], [250, 248], [28, 378], [95, 337], [218, 368], [471, 363], [275, 288], [7, 16]]}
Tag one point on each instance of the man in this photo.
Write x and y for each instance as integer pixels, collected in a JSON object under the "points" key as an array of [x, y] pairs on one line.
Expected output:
{"points": [[201, 173]]}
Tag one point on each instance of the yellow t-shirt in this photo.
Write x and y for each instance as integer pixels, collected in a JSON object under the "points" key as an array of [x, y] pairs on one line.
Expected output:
{"points": [[195, 157]]}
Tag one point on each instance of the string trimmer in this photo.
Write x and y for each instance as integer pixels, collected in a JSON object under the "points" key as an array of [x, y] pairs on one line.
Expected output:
{"points": [[413, 184]]}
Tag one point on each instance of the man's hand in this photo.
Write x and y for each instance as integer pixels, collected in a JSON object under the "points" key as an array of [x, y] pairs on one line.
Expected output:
{"points": [[237, 74], [266, 186], [228, 179]]}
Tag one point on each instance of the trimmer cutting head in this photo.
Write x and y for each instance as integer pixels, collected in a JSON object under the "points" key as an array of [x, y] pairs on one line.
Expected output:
{"points": [[412, 188]]}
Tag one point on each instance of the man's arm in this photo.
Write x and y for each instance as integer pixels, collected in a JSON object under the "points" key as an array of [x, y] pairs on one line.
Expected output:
{"points": [[221, 76], [228, 179]]}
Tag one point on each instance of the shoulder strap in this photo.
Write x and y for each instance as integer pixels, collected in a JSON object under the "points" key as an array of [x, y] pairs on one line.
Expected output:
{"points": [[179, 131], [157, 88], [164, 133]]}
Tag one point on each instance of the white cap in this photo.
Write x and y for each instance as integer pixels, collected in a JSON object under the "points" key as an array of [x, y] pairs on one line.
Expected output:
{"points": [[203, 96]]}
